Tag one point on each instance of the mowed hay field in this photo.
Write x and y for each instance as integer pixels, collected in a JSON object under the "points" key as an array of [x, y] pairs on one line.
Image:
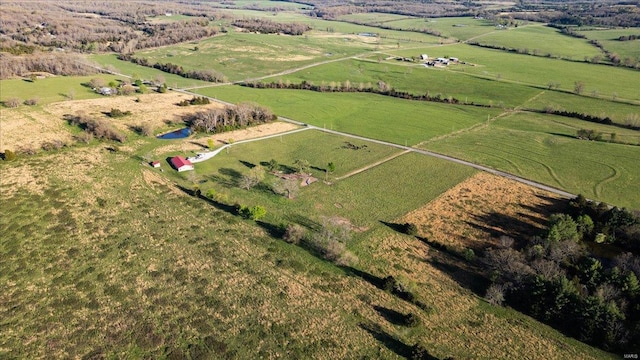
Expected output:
{"points": [[92, 272]]}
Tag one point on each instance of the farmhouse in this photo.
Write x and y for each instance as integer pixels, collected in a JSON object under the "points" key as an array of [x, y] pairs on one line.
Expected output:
{"points": [[155, 164], [181, 164]]}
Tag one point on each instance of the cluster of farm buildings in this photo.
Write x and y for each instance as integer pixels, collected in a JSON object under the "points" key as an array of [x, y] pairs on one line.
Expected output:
{"points": [[427, 61]]}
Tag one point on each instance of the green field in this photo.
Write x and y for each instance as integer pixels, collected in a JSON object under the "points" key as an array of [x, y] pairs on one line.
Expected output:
{"points": [[243, 55], [609, 40], [544, 148], [462, 28], [374, 116], [393, 37], [621, 113], [539, 71], [160, 274], [541, 40], [416, 79], [397, 183], [110, 61], [52, 89]]}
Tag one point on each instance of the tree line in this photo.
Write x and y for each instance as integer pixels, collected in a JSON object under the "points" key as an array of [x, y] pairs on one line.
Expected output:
{"points": [[205, 75], [382, 88], [265, 26], [54, 63], [554, 278], [229, 118]]}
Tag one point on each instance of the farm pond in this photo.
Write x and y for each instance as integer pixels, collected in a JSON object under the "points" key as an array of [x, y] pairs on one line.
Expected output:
{"points": [[177, 134]]}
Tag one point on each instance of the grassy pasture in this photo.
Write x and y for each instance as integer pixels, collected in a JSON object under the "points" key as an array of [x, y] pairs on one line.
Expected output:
{"points": [[539, 71], [52, 89], [130, 69], [399, 184], [462, 28], [609, 40], [544, 148], [393, 37], [373, 19], [244, 55], [620, 113], [374, 116], [542, 40], [158, 274], [418, 80]]}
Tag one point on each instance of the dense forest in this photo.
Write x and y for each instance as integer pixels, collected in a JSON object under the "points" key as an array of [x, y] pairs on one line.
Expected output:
{"points": [[581, 276]]}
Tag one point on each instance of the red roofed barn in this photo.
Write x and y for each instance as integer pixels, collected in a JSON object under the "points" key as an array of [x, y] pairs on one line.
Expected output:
{"points": [[181, 164]]}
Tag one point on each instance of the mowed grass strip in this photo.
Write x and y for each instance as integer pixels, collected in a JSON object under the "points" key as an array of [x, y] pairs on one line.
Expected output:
{"points": [[543, 148], [415, 79], [52, 89], [375, 116], [540, 71]]}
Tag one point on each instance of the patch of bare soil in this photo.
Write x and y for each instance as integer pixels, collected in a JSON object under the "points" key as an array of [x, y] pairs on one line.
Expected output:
{"points": [[200, 144], [305, 179], [478, 211]]}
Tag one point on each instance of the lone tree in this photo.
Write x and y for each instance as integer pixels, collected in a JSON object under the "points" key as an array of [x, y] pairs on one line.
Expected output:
{"points": [[273, 165], [578, 87], [301, 166], [286, 187], [331, 167], [253, 178]]}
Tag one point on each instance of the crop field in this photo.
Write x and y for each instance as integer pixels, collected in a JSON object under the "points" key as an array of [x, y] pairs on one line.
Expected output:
{"points": [[416, 80], [541, 40], [609, 40], [51, 89], [379, 117], [537, 147], [539, 71]]}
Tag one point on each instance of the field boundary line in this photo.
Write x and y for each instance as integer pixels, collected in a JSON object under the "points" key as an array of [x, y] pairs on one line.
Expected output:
{"points": [[380, 162]]}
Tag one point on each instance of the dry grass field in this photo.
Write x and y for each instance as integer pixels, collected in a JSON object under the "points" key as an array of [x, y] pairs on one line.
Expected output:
{"points": [[481, 209]]}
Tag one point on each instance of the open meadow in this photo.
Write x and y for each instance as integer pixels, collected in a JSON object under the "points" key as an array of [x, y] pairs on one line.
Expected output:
{"points": [[540, 71], [51, 89], [415, 79], [298, 243], [375, 116], [461, 28], [610, 40], [539, 148], [159, 273]]}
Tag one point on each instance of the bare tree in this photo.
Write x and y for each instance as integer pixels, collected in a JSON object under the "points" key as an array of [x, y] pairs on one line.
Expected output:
{"points": [[286, 187]]}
